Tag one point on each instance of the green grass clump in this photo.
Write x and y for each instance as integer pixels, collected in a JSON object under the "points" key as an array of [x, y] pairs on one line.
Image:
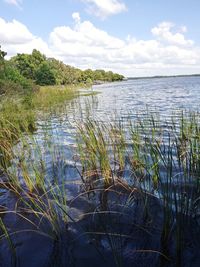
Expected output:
{"points": [[15, 118], [49, 96], [163, 158], [41, 203], [18, 113], [102, 150]]}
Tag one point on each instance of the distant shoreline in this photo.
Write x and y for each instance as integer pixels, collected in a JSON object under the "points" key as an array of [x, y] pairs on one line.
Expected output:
{"points": [[164, 76]]}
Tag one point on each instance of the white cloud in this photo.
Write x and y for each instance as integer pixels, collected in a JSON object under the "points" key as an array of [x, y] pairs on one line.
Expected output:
{"points": [[85, 37], [76, 17], [14, 2], [14, 32], [183, 29], [104, 8], [164, 32], [86, 46], [16, 38]]}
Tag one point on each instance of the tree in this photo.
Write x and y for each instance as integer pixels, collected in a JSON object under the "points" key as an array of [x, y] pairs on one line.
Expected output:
{"points": [[45, 75], [98, 75], [89, 74], [55, 71], [37, 58], [2, 55], [28, 64], [2, 63]]}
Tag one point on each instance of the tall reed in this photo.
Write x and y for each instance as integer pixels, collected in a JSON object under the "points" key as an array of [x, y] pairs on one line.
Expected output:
{"points": [[163, 157]]}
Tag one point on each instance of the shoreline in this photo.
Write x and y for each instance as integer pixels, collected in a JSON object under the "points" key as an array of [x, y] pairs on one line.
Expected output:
{"points": [[160, 77]]}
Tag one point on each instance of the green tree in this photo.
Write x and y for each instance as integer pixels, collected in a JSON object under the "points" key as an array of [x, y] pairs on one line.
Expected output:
{"points": [[89, 74], [2, 63], [45, 75], [56, 72], [28, 64], [98, 75], [2, 55]]}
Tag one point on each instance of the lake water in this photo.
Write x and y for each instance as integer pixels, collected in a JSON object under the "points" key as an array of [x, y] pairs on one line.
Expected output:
{"points": [[56, 134], [55, 144], [165, 94]]}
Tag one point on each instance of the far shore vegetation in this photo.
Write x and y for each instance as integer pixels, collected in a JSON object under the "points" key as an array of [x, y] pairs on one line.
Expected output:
{"points": [[163, 76]]}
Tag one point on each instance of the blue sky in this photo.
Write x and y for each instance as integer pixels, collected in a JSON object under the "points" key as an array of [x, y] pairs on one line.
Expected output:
{"points": [[134, 37]]}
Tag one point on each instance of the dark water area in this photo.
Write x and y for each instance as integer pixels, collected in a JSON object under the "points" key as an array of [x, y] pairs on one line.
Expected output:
{"points": [[132, 236]]}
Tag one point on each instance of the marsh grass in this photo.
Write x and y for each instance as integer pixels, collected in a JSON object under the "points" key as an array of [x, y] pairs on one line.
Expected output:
{"points": [[38, 201], [18, 113], [162, 157], [26, 178], [49, 96]]}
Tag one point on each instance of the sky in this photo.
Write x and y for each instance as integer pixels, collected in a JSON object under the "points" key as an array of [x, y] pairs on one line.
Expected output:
{"points": [[131, 37]]}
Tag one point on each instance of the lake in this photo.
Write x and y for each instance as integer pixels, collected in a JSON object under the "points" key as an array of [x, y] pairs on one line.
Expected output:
{"points": [[116, 101], [151, 213]]}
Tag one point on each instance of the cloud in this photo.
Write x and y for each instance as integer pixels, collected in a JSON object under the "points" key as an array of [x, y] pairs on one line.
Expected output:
{"points": [[164, 32], [14, 2], [76, 17], [16, 38], [86, 46], [14, 32], [84, 37], [104, 8]]}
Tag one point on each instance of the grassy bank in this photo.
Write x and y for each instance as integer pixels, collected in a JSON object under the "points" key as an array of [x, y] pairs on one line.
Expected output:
{"points": [[18, 112], [50, 96]]}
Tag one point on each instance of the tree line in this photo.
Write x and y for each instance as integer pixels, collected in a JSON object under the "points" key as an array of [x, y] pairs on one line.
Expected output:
{"points": [[27, 70]]}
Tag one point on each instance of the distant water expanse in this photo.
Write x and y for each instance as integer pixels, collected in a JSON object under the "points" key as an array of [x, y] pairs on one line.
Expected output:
{"points": [[118, 101], [121, 99], [166, 95], [126, 99]]}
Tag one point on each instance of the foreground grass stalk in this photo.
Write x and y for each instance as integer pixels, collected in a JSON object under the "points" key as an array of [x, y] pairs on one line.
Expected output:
{"points": [[165, 162]]}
